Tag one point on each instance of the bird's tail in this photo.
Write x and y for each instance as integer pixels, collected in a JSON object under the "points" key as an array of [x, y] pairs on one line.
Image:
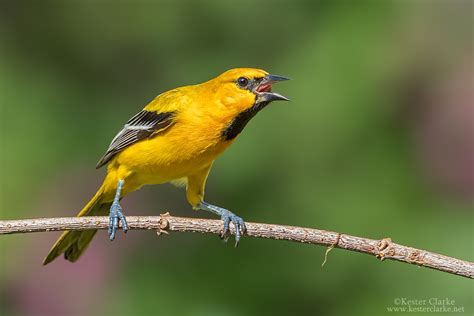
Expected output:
{"points": [[73, 243]]}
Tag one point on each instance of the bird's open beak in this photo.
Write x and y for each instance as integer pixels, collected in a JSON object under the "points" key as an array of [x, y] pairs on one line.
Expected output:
{"points": [[264, 89]]}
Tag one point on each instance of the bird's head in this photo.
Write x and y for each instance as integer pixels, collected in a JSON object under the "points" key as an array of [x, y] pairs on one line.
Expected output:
{"points": [[243, 92], [246, 88]]}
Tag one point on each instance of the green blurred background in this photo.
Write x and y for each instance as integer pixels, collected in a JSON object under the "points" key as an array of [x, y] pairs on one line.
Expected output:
{"points": [[378, 141]]}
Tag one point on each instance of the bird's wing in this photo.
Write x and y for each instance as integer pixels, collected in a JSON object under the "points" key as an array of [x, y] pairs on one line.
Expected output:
{"points": [[141, 126]]}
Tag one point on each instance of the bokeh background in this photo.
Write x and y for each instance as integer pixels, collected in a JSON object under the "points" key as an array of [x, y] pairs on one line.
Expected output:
{"points": [[378, 141]]}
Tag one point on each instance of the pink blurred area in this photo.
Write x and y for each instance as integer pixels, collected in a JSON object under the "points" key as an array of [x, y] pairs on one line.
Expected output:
{"points": [[60, 288], [444, 132]]}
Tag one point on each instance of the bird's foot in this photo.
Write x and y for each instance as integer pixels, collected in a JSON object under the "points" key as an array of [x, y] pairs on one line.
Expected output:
{"points": [[227, 217], [115, 216], [239, 224]]}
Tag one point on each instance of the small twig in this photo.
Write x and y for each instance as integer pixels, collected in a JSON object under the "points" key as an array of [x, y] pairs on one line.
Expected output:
{"points": [[329, 249], [382, 249]]}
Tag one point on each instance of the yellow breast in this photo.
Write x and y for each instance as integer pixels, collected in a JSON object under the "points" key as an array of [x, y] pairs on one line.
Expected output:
{"points": [[193, 142]]}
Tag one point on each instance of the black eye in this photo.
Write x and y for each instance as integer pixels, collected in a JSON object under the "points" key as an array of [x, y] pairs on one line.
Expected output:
{"points": [[243, 82]]}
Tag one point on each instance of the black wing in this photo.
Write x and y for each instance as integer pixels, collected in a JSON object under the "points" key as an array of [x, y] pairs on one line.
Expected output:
{"points": [[141, 126]]}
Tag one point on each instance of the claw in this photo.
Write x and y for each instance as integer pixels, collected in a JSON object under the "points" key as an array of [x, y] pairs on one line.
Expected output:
{"points": [[239, 225], [110, 225], [227, 217], [225, 230], [124, 222], [240, 228], [237, 236], [244, 227], [115, 216], [224, 238]]}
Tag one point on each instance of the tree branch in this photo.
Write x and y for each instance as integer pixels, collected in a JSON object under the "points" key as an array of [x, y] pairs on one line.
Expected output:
{"points": [[381, 249]]}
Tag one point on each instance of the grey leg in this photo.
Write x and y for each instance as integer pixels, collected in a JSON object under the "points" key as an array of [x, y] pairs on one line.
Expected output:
{"points": [[116, 214]]}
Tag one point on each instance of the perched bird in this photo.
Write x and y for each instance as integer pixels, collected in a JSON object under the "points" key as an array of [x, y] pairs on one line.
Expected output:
{"points": [[175, 138]]}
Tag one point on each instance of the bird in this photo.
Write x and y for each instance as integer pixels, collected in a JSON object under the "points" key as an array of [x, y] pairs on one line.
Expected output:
{"points": [[175, 139]]}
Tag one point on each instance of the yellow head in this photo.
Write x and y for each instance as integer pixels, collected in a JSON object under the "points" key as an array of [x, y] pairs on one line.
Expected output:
{"points": [[244, 91], [243, 87]]}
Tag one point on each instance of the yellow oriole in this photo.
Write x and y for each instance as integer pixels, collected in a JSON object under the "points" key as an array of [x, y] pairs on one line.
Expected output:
{"points": [[175, 138]]}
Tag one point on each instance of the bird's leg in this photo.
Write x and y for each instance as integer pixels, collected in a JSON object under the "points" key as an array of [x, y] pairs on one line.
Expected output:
{"points": [[116, 214], [227, 216]]}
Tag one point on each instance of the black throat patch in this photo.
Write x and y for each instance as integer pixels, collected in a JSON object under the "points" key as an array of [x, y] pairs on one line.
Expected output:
{"points": [[239, 122]]}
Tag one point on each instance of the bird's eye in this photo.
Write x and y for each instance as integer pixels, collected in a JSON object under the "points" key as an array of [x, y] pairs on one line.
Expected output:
{"points": [[242, 82]]}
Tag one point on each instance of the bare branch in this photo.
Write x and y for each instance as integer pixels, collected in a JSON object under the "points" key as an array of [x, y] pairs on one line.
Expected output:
{"points": [[381, 249]]}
